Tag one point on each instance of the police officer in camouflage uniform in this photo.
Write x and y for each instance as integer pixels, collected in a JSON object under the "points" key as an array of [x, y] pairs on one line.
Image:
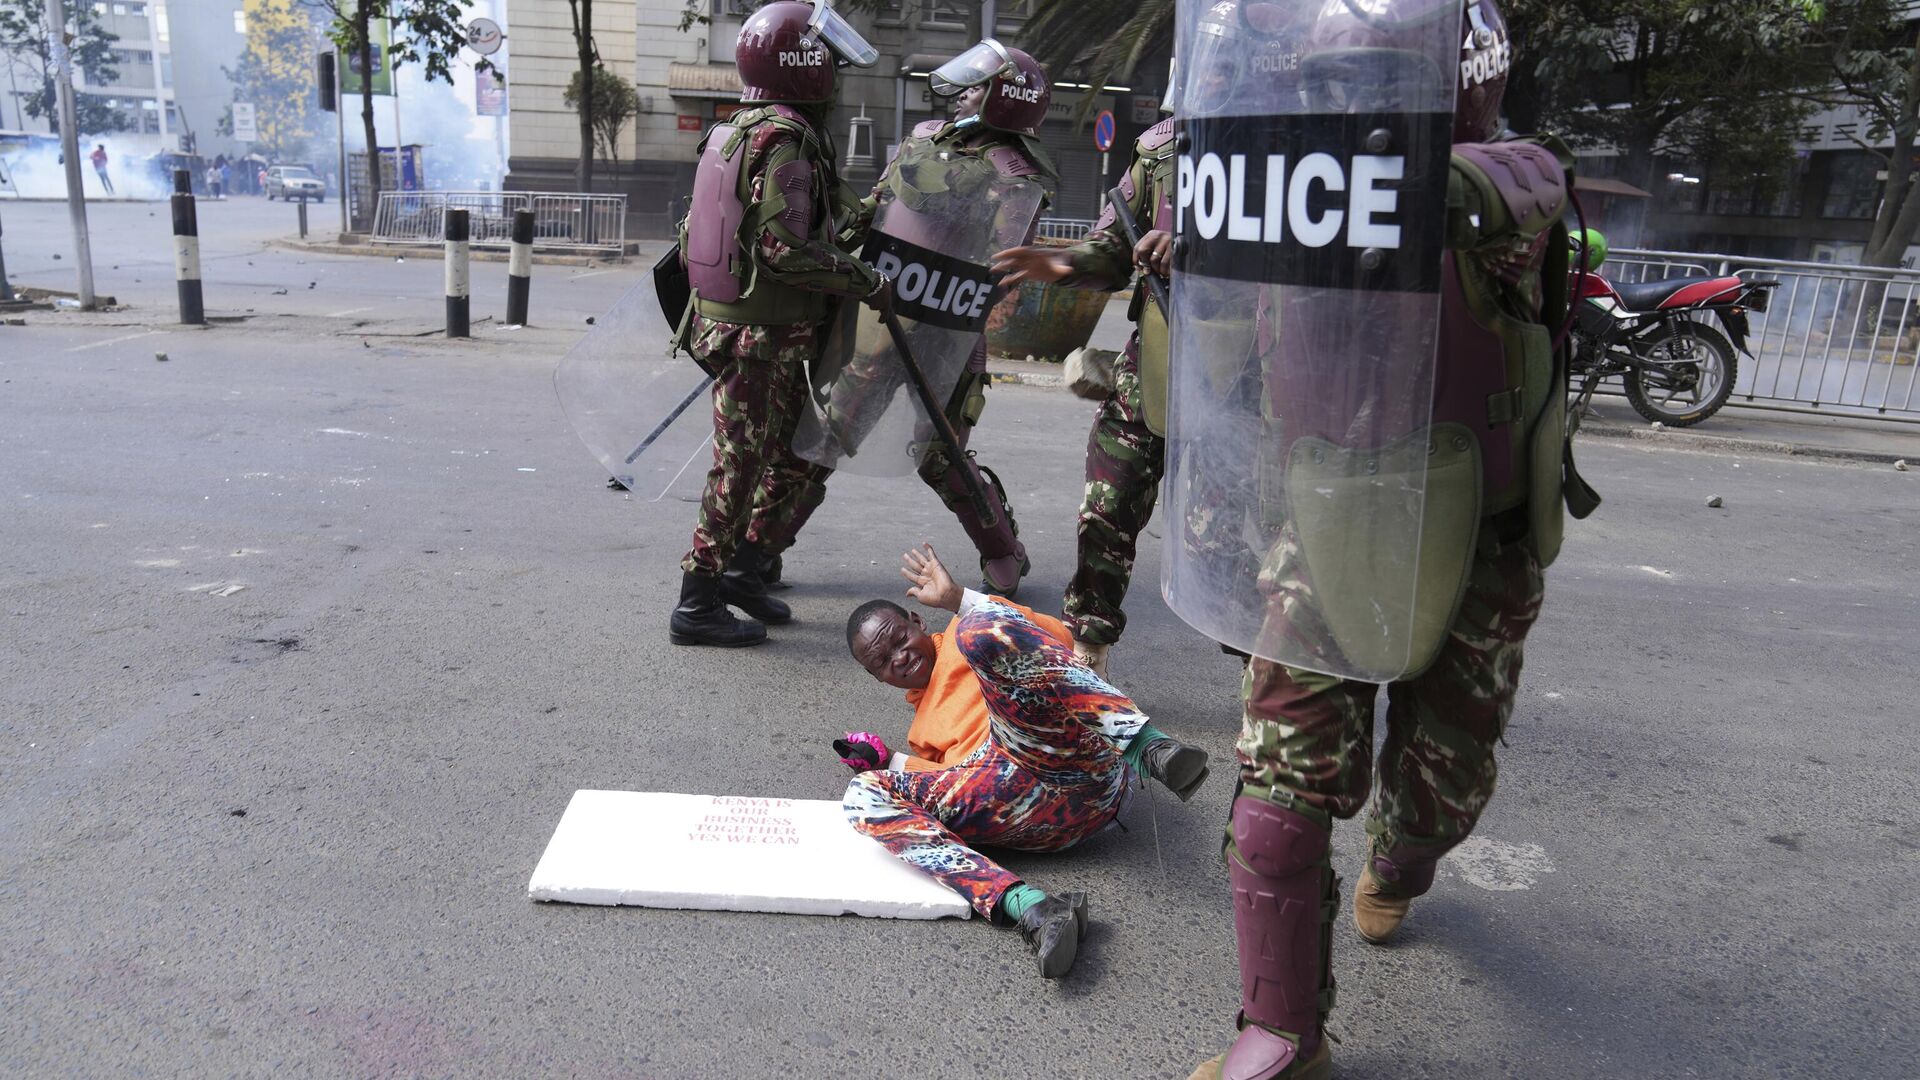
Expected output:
{"points": [[1126, 450], [1306, 739], [1000, 98], [759, 248]]}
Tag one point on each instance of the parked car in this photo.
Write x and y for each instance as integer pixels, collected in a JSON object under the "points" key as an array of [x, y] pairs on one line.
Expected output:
{"points": [[295, 182]]}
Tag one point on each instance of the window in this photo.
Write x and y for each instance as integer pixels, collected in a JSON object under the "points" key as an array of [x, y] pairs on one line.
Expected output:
{"points": [[240, 22], [1853, 185], [166, 69]]}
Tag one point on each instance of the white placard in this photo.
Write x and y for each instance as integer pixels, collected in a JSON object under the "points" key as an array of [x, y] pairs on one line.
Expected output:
{"points": [[244, 130], [729, 853]]}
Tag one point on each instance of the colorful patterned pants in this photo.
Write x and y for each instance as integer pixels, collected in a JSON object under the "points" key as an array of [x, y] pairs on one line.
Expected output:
{"points": [[758, 489], [1306, 740], [1125, 460], [1049, 776]]}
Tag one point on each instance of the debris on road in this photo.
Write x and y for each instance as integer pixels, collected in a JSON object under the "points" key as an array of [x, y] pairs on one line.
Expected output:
{"points": [[238, 811], [1714, 501], [1901, 464], [1657, 426], [160, 356]]}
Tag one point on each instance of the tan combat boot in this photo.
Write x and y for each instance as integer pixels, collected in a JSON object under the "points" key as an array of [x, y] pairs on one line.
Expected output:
{"points": [[1376, 914], [1094, 656]]}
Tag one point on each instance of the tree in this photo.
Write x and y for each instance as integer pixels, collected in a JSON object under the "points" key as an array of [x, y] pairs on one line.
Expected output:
{"points": [[614, 103], [1722, 83], [275, 73], [589, 54], [1876, 69], [429, 32], [23, 37], [1104, 40]]}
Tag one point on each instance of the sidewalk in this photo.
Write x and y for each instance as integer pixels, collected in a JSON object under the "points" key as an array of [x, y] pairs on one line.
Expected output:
{"points": [[1735, 429], [1738, 429]]}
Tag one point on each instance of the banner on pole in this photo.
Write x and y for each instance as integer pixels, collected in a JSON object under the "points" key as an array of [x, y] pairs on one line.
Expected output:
{"points": [[244, 127], [380, 35], [489, 92]]}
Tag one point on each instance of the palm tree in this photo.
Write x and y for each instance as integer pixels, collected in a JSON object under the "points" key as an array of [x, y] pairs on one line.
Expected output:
{"points": [[1081, 35]]}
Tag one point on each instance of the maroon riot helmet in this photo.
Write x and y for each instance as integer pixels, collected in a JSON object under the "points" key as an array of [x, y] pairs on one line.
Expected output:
{"points": [[788, 52], [1017, 89], [1386, 56]]}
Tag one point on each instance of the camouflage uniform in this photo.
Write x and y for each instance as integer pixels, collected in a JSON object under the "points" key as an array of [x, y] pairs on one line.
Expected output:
{"points": [[1125, 458], [1307, 739], [758, 490]]}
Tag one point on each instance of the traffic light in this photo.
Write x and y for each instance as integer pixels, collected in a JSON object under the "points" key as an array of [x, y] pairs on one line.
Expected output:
{"points": [[323, 77]]}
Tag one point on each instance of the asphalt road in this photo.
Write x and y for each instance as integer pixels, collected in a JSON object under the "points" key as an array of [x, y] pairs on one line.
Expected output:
{"points": [[1701, 861]]}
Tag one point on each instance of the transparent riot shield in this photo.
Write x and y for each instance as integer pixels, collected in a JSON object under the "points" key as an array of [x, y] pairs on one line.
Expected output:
{"points": [[934, 236], [1305, 481], [645, 415]]}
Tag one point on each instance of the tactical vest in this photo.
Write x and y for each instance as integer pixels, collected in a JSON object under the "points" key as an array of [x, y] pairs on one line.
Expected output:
{"points": [[1155, 146], [720, 237]]}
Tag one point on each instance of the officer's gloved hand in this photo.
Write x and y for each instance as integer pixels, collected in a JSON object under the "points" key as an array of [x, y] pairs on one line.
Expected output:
{"points": [[881, 298], [862, 750]]}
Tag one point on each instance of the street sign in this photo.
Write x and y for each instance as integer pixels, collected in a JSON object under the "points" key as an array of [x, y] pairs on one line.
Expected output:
{"points": [[1103, 131], [484, 36], [244, 129]]}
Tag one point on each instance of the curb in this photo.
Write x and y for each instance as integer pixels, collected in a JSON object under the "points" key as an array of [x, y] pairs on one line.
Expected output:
{"points": [[1729, 444], [432, 252], [1021, 378]]}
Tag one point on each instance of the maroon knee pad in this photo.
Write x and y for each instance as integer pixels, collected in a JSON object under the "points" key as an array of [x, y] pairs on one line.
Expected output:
{"points": [[1284, 893]]}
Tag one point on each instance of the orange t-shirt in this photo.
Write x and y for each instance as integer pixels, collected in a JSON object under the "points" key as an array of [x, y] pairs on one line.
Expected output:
{"points": [[950, 712]]}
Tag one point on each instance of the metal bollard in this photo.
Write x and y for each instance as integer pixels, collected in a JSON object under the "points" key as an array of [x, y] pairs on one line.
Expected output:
{"points": [[520, 268], [186, 250], [457, 280], [303, 217]]}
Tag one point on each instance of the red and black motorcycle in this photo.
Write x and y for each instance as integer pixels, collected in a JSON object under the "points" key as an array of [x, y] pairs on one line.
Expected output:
{"points": [[1676, 368]]}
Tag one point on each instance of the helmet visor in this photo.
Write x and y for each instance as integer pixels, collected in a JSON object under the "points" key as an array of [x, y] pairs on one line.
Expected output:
{"points": [[841, 37], [1211, 68], [970, 68]]}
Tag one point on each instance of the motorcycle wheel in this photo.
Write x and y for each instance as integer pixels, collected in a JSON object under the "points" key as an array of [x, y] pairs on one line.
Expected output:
{"points": [[1700, 365]]}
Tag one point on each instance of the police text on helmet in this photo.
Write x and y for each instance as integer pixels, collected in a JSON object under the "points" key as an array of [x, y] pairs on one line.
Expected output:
{"points": [[803, 58], [1020, 93], [1215, 192]]}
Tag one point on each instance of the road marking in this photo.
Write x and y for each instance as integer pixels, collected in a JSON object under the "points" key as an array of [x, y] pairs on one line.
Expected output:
{"points": [[349, 311], [1497, 866], [115, 341]]}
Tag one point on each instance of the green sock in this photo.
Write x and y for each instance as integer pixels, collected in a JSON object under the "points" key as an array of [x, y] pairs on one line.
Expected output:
{"points": [[1017, 900], [1147, 737]]}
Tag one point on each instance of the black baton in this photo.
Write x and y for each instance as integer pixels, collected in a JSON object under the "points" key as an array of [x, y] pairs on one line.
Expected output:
{"points": [[938, 411], [1123, 216], [661, 428]]}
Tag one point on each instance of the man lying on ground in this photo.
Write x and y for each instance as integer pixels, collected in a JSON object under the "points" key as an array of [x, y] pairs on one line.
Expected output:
{"points": [[1015, 742]]}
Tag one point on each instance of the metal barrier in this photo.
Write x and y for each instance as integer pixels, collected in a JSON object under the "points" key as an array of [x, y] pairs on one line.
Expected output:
{"points": [[1834, 339], [1061, 228], [560, 222]]}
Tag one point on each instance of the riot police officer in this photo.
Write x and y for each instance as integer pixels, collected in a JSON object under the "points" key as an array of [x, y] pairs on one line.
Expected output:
{"points": [[1000, 96], [762, 259], [1409, 471]]}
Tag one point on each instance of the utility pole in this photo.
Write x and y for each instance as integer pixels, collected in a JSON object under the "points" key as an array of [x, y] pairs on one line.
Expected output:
{"points": [[62, 59]]}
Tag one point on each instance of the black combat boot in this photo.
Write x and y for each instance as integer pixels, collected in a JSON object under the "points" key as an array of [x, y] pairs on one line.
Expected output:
{"points": [[1180, 768], [703, 619], [770, 570], [742, 586], [1053, 929]]}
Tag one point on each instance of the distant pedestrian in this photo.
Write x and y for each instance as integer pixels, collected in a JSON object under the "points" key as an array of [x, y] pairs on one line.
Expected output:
{"points": [[99, 159], [213, 181], [226, 178]]}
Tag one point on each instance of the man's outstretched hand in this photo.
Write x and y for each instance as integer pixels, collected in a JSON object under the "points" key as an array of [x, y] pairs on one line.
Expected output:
{"points": [[928, 581]]}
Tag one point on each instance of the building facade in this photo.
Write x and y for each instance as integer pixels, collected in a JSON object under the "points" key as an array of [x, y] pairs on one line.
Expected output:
{"points": [[686, 82]]}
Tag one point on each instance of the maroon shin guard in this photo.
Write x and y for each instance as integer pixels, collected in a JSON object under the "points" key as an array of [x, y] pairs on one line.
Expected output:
{"points": [[1284, 893]]}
